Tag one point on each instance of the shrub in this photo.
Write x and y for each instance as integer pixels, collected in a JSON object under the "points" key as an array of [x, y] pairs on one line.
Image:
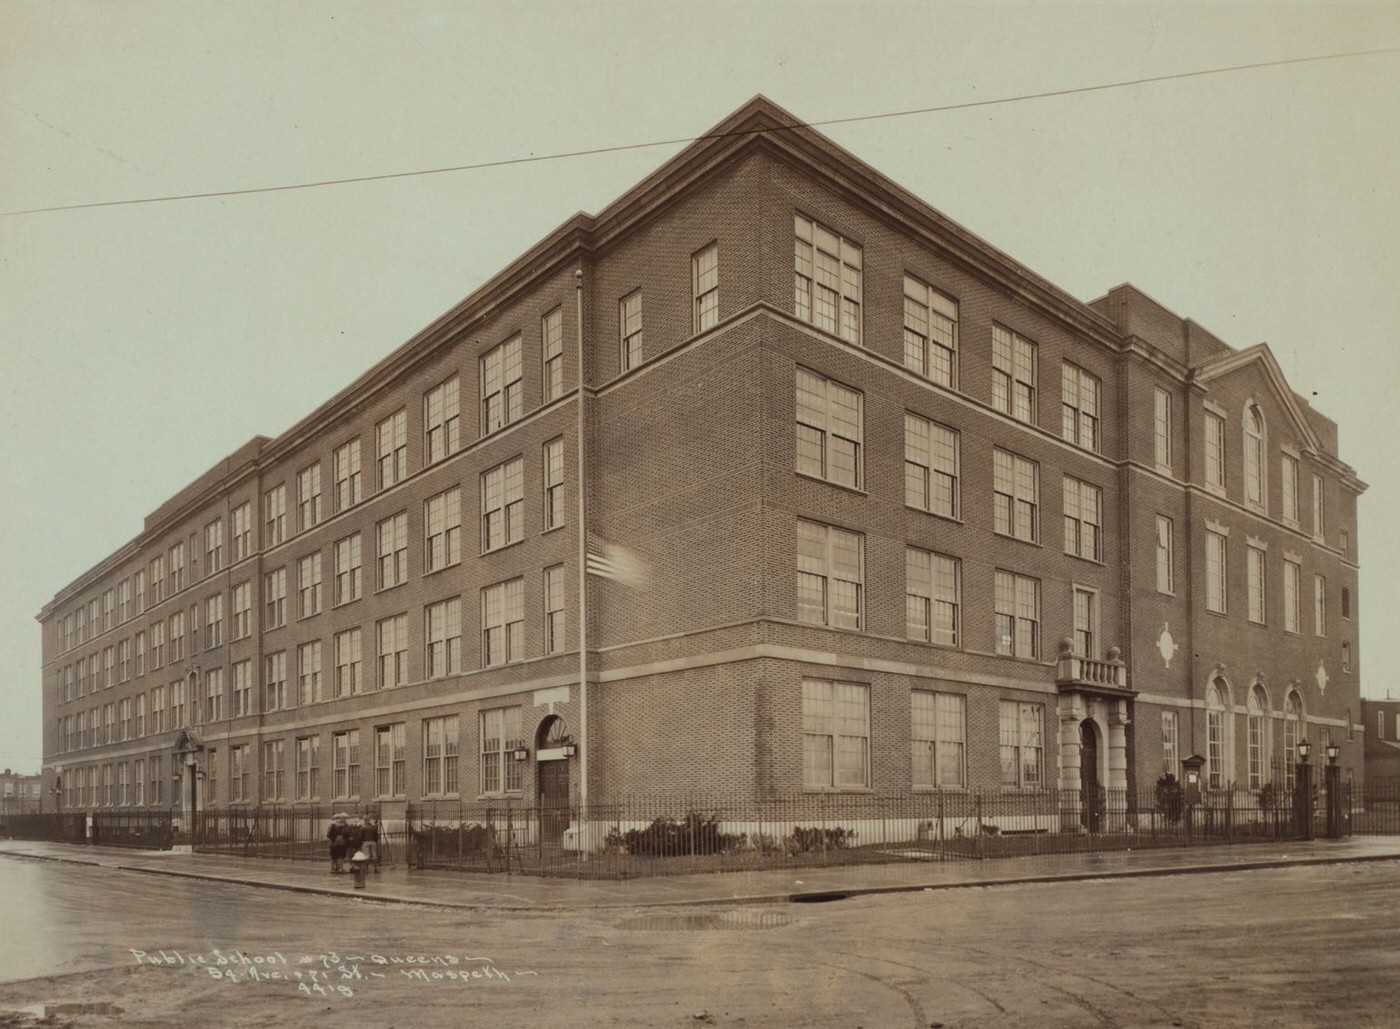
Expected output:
{"points": [[816, 838], [1169, 798], [666, 837]]}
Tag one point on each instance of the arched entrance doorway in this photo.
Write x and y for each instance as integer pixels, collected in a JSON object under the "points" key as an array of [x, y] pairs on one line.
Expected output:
{"points": [[1091, 792], [552, 747]]}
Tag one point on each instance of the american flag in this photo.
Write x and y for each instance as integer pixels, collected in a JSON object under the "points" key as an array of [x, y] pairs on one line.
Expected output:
{"points": [[608, 561]]}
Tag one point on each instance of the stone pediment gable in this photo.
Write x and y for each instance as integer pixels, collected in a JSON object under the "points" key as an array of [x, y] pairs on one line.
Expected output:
{"points": [[1261, 359]]}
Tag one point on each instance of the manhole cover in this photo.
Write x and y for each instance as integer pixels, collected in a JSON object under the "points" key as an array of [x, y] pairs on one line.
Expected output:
{"points": [[700, 920]]}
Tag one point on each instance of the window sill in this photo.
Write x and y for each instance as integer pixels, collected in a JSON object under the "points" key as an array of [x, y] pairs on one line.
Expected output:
{"points": [[445, 568], [831, 482], [1087, 560], [935, 514], [1163, 469], [1166, 593], [1024, 658], [838, 790], [1018, 539], [934, 790], [954, 647], [392, 586], [1215, 490], [508, 795], [504, 546], [1217, 614], [346, 603], [551, 528]]}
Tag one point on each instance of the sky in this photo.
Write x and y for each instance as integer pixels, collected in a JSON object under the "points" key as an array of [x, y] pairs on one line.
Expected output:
{"points": [[141, 343]]}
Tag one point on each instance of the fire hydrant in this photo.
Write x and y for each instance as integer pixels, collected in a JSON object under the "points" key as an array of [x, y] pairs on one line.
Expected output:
{"points": [[357, 867]]}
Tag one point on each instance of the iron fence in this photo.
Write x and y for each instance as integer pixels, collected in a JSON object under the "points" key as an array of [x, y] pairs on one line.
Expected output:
{"points": [[52, 827], [1375, 808], [143, 830], [295, 833]]}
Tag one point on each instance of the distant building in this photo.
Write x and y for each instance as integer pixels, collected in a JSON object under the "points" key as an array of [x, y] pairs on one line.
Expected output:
{"points": [[19, 794], [873, 508], [1381, 719]]}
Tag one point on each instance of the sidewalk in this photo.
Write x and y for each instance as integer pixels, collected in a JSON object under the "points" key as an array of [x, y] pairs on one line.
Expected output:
{"points": [[402, 885]]}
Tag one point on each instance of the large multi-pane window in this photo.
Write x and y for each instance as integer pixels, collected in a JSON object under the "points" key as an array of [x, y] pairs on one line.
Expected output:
{"points": [[1258, 741], [1292, 733], [552, 342], [1170, 740], [1215, 450], [443, 636], [347, 662], [1083, 519], [346, 469], [938, 734], [345, 763], [629, 327], [177, 705], [177, 580], [1015, 495], [930, 466], [1086, 621], [1254, 463], [1022, 733], [554, 609], [440, 755], [930, 333], [239, 774], [828, 429], [1319, 527], [176, 622], [1166, 545], [1013, 374], [157, 588], [554, 483], [1215, 571], [502, 401], [392, 636], [1320, 605], [124, 599], [242, 531], [1217, 737], [347, 569], [391, 448], [309, 685], [275, 515], [242, 611], [442, 419], [392, 534], [932, 597], [308, 767], [242, 688], [214, 621], [309, 496], [274, 769], [704, 276], [1288, 473], [309, 584], [124, 719], [275, 681], [214, 695], [502, 504], [1257, 586], [830, 575], [1292, 610], [1017, 604], [124, 660], [835, 734], [827, 286], [389, 760], [214, 546], [1079, 406], [442, 530], [502, 622], [157, 651], [500, 735], [1162, 428]]}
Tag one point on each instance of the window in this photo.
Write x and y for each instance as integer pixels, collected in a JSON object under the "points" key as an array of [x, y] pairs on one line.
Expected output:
{"points": [[443, 631], [1254, 463], [157, 793], [242, 531], [242, 689], [123, 783], [214, 695], [554, 609], [1083, 519], [1346, 602], [238, 774], [930, 333], [124, 600], [347, 662], [389, 760], [124, 661], [275, 598], [95, 611], [1380, 725], [704, 269], [502, 623], [442, 529], [1288, 473], [1079, 407], [214, 621], [1162, 435], [157, 651], [501, 398], [242, 611], [1217, 737], [1013, 374], [502, 504], [1346, 655], [393, 550], [391, 448], [1215, 572], [1292, 609], [932, 597], [827, 280], [1255, 559], [629, 327], [835, 735], [830, 575], [177, 637], [309, 584], [157, 589], [1017, 615], [1021, 729], [930, 466], [177, 705], [213, 546], [308, 767], [1215, 451], [109, 609], [1086, 621], [177, 578], [1258, 738], [109, 713], [274, 515], [442, 412], [554, 483], [1320, 605], [1169, 743], [345, 466], [393, 651], [309, 496], [938, 724], [500, 734], [1016, 496], [275, 681], [138, 781], [347, 569], [1166, 567], [440, 755], [309, 673], [124, 719], [1319, 528], [828, 429], [345, 763], [552, 341]]}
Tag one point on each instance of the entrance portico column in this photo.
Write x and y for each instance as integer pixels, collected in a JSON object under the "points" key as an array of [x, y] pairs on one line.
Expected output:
{"points": [[1118, 762], [1071, 714]]}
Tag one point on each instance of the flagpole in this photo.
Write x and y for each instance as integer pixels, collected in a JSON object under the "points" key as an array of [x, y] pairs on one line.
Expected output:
{"points": [[582, 576]]}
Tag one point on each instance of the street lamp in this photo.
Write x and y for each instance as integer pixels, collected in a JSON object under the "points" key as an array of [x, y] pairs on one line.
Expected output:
{"points": [[1304, 749], [1333, 773], [1303, 797], [1332, 751]]}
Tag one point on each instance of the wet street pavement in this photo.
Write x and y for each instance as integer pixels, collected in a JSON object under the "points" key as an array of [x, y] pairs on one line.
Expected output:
{"points": [[1301, 946]]}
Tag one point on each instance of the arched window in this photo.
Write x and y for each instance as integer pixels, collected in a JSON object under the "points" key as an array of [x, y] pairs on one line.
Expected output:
{"points": [[1259, 748], [1217, 735], [1292, 733], [1253, 455]]}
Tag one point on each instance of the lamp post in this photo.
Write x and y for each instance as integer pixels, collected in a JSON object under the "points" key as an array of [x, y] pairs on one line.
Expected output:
{"points": [[1302, 798], [1334, 792]]}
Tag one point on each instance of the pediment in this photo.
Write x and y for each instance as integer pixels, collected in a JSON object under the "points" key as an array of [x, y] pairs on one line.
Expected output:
{"points": [[1261, 358]]}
